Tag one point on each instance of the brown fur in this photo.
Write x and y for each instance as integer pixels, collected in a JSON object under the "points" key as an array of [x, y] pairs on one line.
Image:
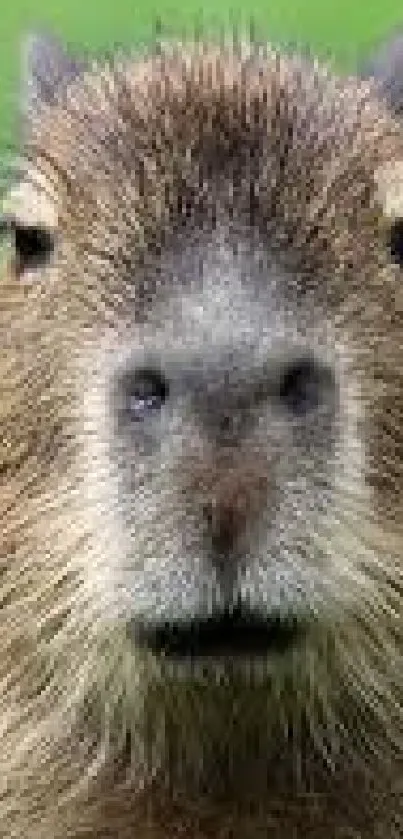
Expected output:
{"points": [[69, 761]]}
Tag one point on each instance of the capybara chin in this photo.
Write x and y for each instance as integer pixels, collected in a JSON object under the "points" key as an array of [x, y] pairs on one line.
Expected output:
{"points": [[201, 462]]}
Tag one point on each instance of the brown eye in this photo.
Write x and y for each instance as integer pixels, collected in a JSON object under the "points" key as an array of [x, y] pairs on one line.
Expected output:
{"points": [[396, 242], [33, 245]]}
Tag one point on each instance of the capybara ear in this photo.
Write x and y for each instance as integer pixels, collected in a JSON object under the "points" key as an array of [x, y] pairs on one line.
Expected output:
{"points": [[47, 70], [386, 66]]}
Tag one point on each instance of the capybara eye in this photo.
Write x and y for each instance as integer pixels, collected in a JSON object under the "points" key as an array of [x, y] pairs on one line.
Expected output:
{"points": [[396, 241], [33, 245], [146, 393], [301, 386]]}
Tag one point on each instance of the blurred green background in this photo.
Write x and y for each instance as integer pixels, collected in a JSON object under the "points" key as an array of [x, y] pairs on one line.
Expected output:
{"points": [[341, 29]]}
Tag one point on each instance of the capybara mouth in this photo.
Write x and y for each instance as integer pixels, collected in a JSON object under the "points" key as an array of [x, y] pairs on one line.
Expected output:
{"points": [[226, 634]]}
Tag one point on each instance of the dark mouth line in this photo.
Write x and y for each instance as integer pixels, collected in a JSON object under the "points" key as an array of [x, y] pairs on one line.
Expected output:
{"points": [[231, 635]]}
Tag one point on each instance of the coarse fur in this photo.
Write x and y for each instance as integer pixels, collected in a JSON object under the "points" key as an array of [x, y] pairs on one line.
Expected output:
{"points": [[216, 212]]}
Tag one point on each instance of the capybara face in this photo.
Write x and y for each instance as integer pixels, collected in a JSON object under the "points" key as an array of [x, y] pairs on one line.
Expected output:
{"points": [[202, 441]]}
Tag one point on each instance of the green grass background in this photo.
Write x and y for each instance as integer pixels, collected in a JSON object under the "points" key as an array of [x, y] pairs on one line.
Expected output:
{"points": [[343, 29]]}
